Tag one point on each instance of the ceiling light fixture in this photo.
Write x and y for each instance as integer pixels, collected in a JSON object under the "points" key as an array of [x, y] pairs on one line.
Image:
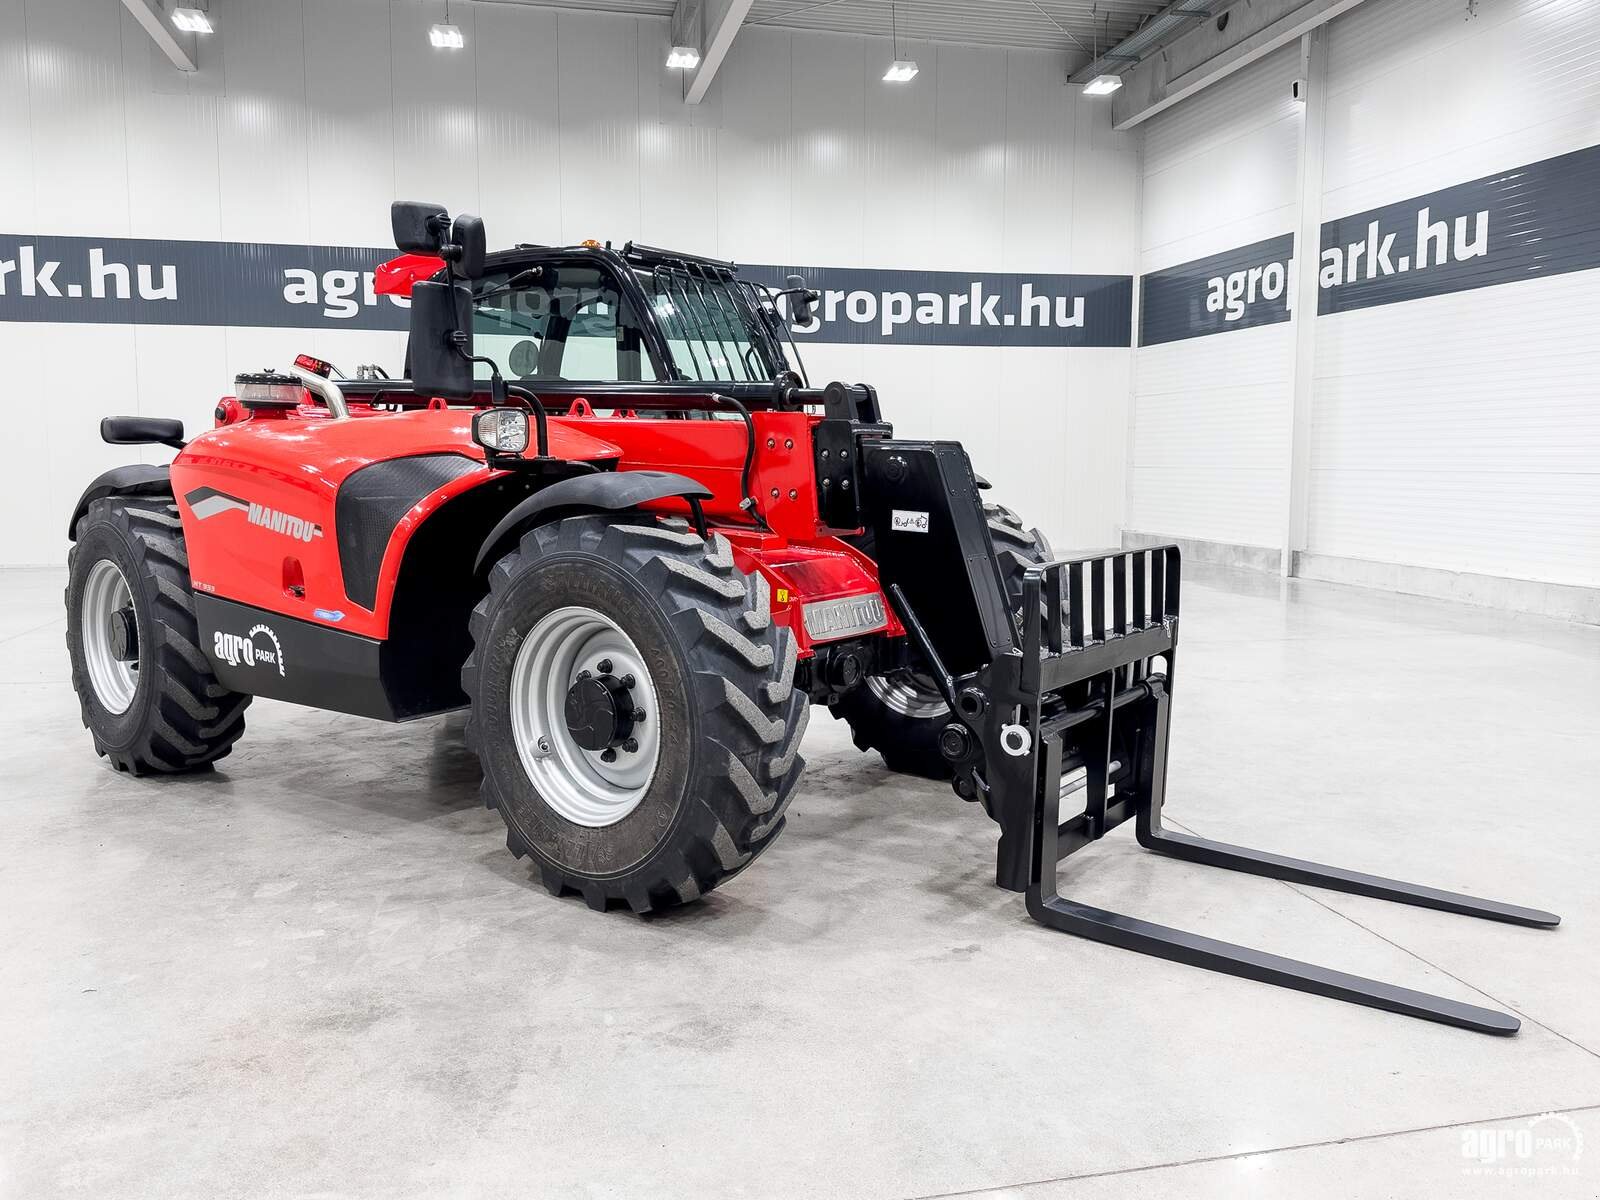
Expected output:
{"points": [[901, 70], [191, 20], [1100, 85], [445, 36], [683, 58]]}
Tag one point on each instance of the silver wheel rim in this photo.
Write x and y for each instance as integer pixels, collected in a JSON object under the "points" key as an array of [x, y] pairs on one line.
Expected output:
{"points": [[105, 593], [576, 782], [909, 693]]}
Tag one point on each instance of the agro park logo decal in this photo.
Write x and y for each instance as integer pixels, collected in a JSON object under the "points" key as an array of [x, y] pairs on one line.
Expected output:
{"points": [[250, 649], [207, 502]]}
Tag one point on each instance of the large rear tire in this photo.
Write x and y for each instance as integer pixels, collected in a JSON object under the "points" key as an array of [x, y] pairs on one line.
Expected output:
{"points": [[146, 690], [633, 706], [901, 714]]}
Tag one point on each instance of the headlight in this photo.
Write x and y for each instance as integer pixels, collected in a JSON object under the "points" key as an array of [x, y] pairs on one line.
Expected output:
{"points": [[501, 430]]}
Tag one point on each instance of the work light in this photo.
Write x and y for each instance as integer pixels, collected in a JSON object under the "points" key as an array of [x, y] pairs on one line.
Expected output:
{"points": [[501, 430]]}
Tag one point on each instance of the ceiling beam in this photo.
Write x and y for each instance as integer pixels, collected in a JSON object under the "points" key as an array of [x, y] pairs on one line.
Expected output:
{"points": [[178, 46], [710, 26], [1253, 29]]}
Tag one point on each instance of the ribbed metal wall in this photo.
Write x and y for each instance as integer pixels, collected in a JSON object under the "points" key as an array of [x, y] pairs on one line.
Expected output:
{"points": [[1460, 432], [1210, 413], [1455, 432]]}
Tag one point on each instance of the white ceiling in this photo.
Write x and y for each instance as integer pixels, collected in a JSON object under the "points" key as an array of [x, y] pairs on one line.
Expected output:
{"points": [[1069, 25]]}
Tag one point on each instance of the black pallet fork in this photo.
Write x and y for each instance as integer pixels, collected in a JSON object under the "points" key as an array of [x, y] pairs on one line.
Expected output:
{"points": [[1073, 692]]}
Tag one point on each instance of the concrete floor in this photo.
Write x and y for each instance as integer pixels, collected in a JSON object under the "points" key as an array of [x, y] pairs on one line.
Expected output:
{"points": [[317, 972]]}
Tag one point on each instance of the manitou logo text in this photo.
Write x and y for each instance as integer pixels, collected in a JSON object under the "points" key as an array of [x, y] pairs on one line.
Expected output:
{"points": [[207, 502], [849, 616], [248, 650], [271, 518]]}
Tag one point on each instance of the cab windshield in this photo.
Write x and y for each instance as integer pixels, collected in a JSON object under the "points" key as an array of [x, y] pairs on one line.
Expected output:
{"points": [[569, 322], [713, 324]]}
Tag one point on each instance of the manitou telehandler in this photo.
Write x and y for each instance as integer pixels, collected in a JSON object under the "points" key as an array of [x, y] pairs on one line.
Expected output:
{"points": [[606, 513]]}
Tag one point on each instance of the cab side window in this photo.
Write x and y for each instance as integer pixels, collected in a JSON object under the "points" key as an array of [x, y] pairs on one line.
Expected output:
{"points": [[567, 322]]}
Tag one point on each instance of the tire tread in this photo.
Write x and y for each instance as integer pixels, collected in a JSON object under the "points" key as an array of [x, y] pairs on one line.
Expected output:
{"points": [[741, 676], [194, 720]]}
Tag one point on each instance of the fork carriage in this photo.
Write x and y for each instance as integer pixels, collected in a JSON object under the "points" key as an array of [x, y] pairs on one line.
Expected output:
{"points": [[1071, 694]]}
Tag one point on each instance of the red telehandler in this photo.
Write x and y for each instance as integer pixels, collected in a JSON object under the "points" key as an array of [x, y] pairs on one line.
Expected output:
{"points": [[605, 512]]}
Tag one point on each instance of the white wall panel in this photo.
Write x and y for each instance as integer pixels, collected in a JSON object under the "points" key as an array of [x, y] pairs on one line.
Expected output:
{"points": [[1042, 167], [969, 224], [1210, 425], [1219, 170], [263, 128], [1106, 182], [75, 105], [1423, 95], [433, 100], [16, 130], [677, 150], [308, 117], [598, 112], [1460, 432], [349, 103], [519, 146], [900, 154], [755, 193], [1092, 462], [171, 141], [828, 153]]}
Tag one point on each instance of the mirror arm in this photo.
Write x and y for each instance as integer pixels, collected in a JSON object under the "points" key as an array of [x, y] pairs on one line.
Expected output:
{"points": [[499, 391], [541, 425]]}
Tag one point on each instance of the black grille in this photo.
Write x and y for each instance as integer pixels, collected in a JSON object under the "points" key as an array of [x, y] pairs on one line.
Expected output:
{"points": [[370, 504]]}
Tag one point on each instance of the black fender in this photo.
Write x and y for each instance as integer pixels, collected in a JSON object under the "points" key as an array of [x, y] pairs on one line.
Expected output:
{"points": [[135, 479], [613, 490]]}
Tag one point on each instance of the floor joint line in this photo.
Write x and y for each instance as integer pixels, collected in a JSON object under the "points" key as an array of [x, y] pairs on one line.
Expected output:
{"points": [[1287, 1149]]}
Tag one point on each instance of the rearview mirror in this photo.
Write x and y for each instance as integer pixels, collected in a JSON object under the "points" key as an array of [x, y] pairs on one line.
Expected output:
{"points": [[467, 235], [441, 362], [419, 227], [800, 300]]}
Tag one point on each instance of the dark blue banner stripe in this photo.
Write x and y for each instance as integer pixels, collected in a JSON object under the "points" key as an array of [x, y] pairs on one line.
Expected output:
{"points": [[1529, 222], [133, 281], [1526, 223]]}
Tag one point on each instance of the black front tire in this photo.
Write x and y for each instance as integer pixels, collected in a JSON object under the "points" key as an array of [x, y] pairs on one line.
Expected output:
{"points": [[730, 719], [180, 717]]}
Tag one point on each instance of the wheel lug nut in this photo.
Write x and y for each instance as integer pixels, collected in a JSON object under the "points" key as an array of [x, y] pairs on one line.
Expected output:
{"points": [[638, 716], [583, 674], [627, 681], [603, 666], [631, 745], [608, 755]]}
